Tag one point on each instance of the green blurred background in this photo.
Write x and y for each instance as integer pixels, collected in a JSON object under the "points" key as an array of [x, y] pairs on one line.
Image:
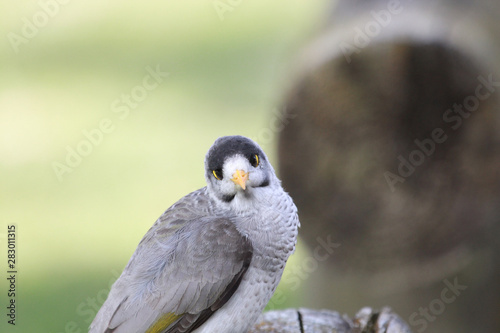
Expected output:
{"points": [[62, 66]]}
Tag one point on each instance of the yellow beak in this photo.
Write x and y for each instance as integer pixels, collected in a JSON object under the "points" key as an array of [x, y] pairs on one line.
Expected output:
{"points": [[240, 177]]}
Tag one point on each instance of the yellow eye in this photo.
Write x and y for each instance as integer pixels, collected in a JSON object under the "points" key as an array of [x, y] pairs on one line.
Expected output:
{"points": [[254, 160], [217, 174]]}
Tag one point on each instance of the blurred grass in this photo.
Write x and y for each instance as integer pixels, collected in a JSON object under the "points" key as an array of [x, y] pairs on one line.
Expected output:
{"points": [[225, 77]]}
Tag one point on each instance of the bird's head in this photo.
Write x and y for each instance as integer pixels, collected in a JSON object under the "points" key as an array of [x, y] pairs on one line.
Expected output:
{"points": [[236, 165]]}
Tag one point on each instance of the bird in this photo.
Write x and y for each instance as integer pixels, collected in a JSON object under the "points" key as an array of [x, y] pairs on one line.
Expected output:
{"points": [[212, 261]]}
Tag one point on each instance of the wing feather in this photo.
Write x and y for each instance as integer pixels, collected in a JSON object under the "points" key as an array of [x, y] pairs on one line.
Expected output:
{"points": [[185, 268], [165, 321]]}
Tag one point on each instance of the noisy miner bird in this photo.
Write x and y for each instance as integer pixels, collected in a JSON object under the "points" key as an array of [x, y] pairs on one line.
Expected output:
{"points": [[213, 260]]}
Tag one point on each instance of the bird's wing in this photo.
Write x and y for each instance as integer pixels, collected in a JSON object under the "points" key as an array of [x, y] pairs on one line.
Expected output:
{"points": [[186, 267]]}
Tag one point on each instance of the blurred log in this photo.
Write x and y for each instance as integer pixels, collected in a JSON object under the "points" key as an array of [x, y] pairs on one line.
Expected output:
{"points": [[366, 320], [382, 154]]}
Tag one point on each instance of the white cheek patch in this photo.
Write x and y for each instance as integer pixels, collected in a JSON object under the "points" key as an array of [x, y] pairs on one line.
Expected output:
{"points": [[227, 187]]}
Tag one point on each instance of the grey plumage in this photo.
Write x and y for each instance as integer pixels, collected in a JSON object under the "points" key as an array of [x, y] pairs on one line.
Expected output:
{"points": [[212, 261]]}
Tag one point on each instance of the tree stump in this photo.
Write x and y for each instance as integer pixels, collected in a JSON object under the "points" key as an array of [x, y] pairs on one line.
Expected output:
{"points": [[302, 320], [392, 149]]}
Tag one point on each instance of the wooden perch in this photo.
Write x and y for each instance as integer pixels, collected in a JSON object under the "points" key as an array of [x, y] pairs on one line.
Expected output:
{"points": [[301, 320]]}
